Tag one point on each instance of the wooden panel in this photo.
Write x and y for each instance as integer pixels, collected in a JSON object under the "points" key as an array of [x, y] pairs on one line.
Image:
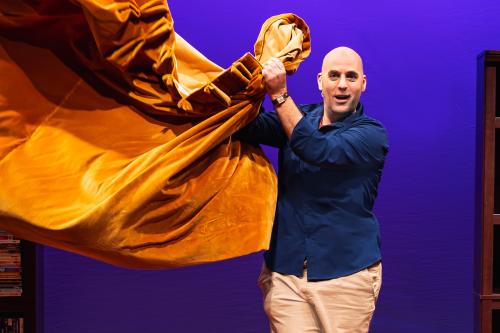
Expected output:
{"points": [[488, 181], [486, 316]]}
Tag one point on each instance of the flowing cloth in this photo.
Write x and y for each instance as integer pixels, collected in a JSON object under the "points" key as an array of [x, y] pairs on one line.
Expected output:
{"points": [[115, 134]]}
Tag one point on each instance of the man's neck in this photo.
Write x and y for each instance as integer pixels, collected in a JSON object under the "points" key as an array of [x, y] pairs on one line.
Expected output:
{"points": [[332, 117]]}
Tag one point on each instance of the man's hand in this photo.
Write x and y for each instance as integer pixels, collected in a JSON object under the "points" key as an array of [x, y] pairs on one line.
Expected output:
{"points": [[274, 77]]}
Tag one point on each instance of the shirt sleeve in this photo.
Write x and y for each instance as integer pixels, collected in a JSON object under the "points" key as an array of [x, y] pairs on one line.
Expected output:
{"points": [[265, 129], [363, 145]]}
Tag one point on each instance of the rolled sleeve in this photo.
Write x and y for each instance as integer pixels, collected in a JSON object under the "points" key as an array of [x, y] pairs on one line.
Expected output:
{"points": [[362, 145]]}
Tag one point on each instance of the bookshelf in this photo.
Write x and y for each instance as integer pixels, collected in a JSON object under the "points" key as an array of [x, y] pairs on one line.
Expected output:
{"points": [[18, 293], [487, 232]]}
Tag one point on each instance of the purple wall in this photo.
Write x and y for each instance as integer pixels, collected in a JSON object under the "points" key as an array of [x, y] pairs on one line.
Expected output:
{"points": [[420, 59]]}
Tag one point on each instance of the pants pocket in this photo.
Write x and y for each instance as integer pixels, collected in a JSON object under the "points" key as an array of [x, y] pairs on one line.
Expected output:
{"points": [[375, 273]]}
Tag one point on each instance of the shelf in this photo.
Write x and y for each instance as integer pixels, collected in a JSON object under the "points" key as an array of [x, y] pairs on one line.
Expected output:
{"points": [[23, 306], [494, 297], [17, 303]]}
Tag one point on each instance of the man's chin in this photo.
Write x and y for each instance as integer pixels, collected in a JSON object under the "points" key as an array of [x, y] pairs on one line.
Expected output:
{"points": [[342, 108]]}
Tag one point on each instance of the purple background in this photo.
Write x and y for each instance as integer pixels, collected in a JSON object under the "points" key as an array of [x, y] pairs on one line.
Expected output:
{"points": [[420, 59]]}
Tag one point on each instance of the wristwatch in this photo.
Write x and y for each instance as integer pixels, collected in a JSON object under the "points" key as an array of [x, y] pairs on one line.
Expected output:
{"points": [[280, 99]]}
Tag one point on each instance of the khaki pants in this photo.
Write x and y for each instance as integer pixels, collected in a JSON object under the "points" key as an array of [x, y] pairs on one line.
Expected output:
{"points": [[342, 305]]}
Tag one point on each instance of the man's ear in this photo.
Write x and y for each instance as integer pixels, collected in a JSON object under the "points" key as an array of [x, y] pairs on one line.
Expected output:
{"points": [[364, 83], [319, 82]]}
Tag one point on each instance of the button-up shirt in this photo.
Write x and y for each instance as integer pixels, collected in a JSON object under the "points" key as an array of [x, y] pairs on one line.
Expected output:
{"points": [[327, 184]]}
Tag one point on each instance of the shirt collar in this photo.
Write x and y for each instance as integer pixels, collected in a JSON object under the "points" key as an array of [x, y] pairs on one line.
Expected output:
{"points": [[317, 114]]}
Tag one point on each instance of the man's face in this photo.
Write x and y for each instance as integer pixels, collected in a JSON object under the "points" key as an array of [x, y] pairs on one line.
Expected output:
{"points": [[341, 80]]}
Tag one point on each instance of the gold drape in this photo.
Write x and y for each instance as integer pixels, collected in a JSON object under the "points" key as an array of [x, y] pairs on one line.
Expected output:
{"points": [[115, 134]]}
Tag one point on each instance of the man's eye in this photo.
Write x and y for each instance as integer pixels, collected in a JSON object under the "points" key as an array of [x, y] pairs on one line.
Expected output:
{"points": [[352, 78], [333, 76]]}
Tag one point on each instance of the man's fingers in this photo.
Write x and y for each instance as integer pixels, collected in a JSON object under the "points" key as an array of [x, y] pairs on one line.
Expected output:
{"points": [[273, 67], [276, 62], [273, 63]]}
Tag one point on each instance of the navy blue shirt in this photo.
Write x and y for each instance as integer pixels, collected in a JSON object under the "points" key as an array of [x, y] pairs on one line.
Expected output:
{"points": [[327, 186]]}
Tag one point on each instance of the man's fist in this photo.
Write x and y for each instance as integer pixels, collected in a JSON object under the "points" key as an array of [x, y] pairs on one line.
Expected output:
{"points": [[274, 77]]}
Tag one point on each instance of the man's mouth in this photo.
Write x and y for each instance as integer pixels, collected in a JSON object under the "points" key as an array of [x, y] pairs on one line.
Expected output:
{"points": [[342, 98]]}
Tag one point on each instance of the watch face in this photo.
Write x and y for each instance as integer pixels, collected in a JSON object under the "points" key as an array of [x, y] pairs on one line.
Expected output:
{"points": [[280, 99]]}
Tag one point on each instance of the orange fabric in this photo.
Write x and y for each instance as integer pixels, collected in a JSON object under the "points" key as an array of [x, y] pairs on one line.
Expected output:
{"points": [[115, 134]]}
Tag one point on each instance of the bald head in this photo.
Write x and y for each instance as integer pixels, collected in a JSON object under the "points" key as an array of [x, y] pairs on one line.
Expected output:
{"points": [[344, 55], [341, 82]]}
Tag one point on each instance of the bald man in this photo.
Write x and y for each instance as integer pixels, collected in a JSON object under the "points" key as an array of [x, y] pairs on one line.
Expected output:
{"points": [[323, 271]]}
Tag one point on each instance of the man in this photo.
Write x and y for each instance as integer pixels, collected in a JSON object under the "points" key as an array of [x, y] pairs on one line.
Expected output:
{"points": [[322, 272]]}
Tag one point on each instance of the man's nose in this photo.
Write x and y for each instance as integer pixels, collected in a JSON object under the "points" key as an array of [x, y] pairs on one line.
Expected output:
{"points": [[342, 82]]}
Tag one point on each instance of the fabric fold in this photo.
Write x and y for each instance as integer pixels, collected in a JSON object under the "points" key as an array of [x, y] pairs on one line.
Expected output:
{"points": [[115, 134]]}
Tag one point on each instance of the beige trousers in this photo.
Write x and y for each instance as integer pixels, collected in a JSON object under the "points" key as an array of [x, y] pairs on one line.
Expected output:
{"points": [[342, 305]]}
